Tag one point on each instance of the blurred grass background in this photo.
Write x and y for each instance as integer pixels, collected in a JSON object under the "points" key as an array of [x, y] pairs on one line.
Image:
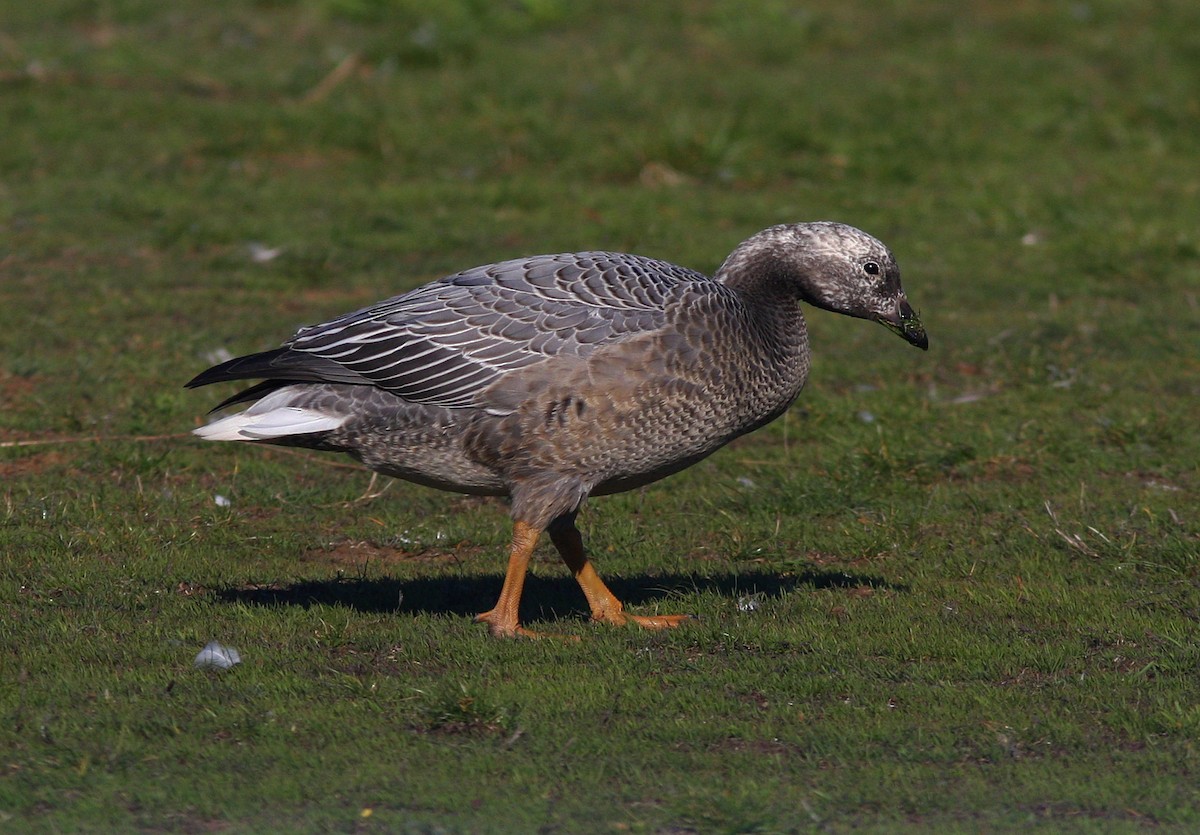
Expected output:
{"points": [[953, 591]]}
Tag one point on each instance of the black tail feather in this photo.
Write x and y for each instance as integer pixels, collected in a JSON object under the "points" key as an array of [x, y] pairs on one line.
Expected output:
{"points": [[276, 368], [249, 395], [277, 364]]}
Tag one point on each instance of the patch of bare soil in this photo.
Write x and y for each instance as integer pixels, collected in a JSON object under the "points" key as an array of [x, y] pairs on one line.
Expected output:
{"points": [[30, 465], [14, 387], [357, 554]]}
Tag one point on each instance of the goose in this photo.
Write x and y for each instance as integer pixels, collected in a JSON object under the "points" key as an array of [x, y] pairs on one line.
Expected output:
{"points": [[552, 378]]}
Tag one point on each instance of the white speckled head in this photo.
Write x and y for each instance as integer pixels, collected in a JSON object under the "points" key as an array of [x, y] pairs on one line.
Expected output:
{"points": [[829, 265]]}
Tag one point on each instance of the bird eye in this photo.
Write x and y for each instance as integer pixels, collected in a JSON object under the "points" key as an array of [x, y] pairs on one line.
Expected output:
{"points": [[871, 268]]}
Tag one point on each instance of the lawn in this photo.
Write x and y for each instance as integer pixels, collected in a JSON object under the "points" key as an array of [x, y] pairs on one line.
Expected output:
{"points": [[956, 591]]}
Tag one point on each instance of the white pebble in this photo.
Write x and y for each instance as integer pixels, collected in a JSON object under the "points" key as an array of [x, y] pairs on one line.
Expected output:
{"points": [[217, 656]]}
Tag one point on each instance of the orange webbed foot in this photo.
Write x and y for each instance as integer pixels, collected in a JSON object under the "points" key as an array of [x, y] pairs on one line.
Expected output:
{"points": [[618, 617], [661, 621], [500, 627], [605, 606]]}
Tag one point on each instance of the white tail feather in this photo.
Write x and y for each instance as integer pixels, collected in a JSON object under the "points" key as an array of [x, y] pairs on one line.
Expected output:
{"points": [[270, 418], [274, 424]]}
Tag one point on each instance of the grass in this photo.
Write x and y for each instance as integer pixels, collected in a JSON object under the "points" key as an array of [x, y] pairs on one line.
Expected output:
{"points": [[954, 591]]}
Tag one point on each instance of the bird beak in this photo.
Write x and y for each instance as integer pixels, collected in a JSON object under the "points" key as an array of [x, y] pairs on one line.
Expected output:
{"points": [[906, 323]]}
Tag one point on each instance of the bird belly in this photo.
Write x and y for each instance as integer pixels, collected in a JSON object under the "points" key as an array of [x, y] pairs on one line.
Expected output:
{"points": [[418, 443], [396, 437], [442, 466], [631, 481]]}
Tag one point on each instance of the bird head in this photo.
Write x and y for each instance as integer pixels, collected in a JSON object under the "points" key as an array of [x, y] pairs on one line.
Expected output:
{"points": [[832, 266]]}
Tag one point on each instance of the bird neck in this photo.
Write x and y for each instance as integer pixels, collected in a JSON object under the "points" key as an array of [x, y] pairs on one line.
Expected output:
{"points": [[766, 276], [772, 298]]}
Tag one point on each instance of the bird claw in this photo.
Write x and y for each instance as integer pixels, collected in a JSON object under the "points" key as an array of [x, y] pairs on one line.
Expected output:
{"points": [[503, 629], [644, 621]]}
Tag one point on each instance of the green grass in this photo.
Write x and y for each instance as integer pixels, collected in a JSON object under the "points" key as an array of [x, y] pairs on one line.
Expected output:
{"points": [[955, 590]]}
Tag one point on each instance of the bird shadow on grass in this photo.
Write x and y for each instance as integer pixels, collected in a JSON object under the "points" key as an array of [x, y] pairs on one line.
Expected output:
{"points": [[543, 599]]}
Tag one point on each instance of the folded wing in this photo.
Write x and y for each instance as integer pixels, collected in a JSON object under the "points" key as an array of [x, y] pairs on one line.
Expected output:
{"points": [[446, 342]]}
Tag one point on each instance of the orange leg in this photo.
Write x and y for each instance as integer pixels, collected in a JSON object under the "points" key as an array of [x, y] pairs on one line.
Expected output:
{"points": [[502, 618], [604, 604]]}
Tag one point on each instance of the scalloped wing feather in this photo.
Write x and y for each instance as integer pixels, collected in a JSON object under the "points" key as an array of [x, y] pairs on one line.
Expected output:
{"points": [[445, 343]]}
